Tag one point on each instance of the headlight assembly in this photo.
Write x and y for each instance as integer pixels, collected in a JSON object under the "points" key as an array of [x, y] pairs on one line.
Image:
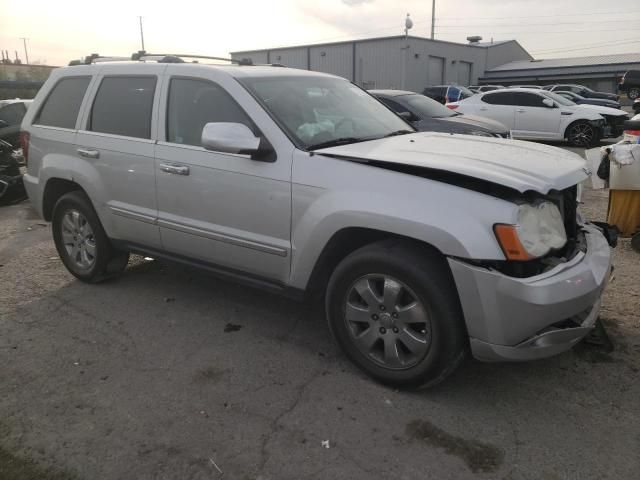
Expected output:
{"points": [[539, 230]]}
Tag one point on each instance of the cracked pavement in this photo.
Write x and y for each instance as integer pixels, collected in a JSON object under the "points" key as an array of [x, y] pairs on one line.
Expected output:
{"points": [[137, 378]]}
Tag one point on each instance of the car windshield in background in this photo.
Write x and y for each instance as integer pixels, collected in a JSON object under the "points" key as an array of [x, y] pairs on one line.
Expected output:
{"points": [[559, 99], [321, 111], [427, 107]]}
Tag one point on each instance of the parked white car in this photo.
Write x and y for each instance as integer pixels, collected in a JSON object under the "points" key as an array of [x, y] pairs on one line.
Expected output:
{"points": [[541, 115]]}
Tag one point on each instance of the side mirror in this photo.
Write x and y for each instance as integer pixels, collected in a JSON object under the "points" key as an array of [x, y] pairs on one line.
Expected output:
{"points": [[408, 116], [231, 138], [3, 124], [548, 103]]}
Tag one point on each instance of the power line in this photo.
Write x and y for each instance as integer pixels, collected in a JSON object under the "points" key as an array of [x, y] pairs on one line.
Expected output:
{"points": [[528, 24], [537, 32], [540, 16], [586, 48]]}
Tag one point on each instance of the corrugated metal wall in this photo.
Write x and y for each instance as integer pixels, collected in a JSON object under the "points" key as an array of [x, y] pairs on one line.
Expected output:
{"points": [[335, 59], [411, 63]]}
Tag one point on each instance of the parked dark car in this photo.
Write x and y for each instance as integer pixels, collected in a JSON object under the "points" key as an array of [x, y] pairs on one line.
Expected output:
{"points": [[586, 92], [580, 100], [447, 93], [11, 113], [630, 84], [426, 114]]}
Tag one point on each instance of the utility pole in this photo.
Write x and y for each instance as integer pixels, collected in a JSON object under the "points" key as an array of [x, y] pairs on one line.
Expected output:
{"points": [[433, 18], [141, 33], [26, 55]]}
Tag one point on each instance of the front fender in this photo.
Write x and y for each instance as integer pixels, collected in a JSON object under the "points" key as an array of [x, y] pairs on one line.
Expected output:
{"points": [[456, 221]]}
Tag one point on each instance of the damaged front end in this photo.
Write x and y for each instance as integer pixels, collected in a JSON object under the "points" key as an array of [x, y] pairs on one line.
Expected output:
{"points": [[11, 185]]}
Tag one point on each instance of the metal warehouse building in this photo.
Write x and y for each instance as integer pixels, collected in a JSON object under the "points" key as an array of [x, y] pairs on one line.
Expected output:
{"points": [[401, 61], [597, 72]]}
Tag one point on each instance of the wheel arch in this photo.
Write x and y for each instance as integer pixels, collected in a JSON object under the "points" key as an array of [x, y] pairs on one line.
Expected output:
{"points": [[54, 189]]}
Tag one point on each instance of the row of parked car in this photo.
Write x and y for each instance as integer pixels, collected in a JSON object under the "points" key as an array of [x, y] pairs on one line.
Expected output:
{"points": [[531, 112]]}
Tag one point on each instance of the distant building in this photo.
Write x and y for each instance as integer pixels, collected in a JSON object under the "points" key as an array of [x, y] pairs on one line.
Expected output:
{"points": [[379, 62], [600, 72], [20, 80]]}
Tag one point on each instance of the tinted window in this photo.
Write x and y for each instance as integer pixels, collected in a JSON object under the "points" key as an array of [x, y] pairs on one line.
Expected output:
{"points": [[61, 107], [498, 98], [123, 106], [523, 99], [396, 107], [193, 104], [12, 114]]}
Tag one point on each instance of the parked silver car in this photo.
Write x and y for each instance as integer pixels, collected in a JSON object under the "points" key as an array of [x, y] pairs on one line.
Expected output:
{"points": [[424, 245]]}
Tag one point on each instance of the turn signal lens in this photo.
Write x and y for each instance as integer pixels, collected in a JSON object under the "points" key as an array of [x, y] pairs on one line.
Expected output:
{"points": [[510, 242]]}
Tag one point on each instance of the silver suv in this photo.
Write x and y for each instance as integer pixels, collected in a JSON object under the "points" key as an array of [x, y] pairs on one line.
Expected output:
{"points": [[425, 246]]}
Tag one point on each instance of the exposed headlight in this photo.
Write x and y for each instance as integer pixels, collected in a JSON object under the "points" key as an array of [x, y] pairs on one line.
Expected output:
{"points": [[539, 230]]}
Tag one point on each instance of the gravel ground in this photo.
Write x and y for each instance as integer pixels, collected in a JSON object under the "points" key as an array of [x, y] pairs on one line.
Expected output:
{"points": [[168, 373]]}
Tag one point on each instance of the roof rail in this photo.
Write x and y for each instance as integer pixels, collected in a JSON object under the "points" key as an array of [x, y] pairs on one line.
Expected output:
{"points": [[178, 57]]}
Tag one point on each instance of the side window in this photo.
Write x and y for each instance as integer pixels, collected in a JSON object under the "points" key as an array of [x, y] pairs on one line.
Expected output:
{"points": [[396, 107], [523, 99], [123, 106], [562, 88], [12, 114], [61, 107], [498, 98], [194, 103]]}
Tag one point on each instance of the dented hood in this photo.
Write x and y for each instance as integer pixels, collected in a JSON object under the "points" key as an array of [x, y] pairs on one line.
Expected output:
{"points": [[515, 164]]}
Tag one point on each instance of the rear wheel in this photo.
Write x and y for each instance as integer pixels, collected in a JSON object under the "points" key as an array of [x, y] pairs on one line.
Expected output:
{"points": [[582, 134], [81, 241], [393, 308], [633, 93]]}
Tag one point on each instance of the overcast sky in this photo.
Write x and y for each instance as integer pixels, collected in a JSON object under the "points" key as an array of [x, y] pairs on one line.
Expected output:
{"points": [[59, 31]]}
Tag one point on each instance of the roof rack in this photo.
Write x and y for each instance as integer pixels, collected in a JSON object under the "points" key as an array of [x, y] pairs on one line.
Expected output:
{"points": [[142, 55]]}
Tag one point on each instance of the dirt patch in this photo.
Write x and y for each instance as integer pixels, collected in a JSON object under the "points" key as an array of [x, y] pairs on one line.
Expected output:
{"points": [[480, 457], [14, 467], [231, 327], [208, 375]]}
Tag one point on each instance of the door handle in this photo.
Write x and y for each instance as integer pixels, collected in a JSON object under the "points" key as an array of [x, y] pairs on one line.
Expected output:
{"points": [[88, 153], [520, 110], [174, 169]]}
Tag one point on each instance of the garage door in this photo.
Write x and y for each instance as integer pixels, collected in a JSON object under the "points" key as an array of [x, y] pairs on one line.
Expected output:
{"points": [[464, 73], [435, 72]]}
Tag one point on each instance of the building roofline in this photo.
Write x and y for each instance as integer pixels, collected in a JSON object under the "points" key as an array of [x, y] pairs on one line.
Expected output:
{"points": [[513, 70], [373, 39]]}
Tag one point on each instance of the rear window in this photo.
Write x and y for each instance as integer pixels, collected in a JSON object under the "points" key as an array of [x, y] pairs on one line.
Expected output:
{"points": [[123, 106], [61, 107]]}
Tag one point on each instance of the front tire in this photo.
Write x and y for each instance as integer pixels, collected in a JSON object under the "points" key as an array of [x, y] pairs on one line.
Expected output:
{"points": [[633, 93], [582, 134], [82, 243], [393, 308]]}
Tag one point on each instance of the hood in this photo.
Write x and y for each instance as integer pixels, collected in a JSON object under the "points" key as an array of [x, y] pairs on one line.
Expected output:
{"points": [[519, 165], [476, 121], [602, 110]]}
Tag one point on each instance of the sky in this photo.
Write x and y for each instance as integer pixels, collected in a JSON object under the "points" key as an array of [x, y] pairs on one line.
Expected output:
{"points": [[61, 30]]}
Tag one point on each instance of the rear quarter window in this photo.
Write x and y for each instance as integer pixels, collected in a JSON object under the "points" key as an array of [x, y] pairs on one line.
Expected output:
{"points": [[61, 107], [123, 106]]}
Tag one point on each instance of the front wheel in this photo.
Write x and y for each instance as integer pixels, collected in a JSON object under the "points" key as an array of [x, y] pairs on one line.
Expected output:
{"points": [[393, 308], [633, 93], [82, 243], [582, 134]]}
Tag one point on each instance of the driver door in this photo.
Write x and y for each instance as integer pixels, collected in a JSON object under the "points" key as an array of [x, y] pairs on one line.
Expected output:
{"points": [[534, 119], [228, 210]]}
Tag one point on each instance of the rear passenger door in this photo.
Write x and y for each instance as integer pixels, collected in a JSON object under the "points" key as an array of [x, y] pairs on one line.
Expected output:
{"points": [[117, 140], [498, 106], [227, 210]]}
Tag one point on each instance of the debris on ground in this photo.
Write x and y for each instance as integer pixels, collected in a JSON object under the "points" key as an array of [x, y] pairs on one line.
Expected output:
{"points": [[231, 327], [325, 444]]}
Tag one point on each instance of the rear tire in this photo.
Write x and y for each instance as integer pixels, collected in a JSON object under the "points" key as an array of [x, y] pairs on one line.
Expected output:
{"points": [[582, 134], [407, 327], [82, 243], [633, 93]]}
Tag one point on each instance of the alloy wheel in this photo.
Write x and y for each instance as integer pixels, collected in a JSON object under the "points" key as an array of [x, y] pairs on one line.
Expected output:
{"points": [[387, 321], [78, 239], [581, 135]]}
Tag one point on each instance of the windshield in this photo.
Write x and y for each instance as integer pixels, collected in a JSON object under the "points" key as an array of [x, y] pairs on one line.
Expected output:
{"points": [[319, 111], [559, 99], [427, 107]]}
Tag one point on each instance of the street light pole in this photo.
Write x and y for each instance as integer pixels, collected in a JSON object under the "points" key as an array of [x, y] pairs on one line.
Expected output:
{"points": [[26, 55], [141, 33], [433, 18]]}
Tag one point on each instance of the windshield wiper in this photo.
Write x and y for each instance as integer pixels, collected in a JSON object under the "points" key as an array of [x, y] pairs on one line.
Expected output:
{"points": [[336, 142], [398, 132]]}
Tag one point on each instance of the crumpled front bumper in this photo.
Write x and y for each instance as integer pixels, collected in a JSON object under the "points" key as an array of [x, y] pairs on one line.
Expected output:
{"points": [[513, 319]]}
